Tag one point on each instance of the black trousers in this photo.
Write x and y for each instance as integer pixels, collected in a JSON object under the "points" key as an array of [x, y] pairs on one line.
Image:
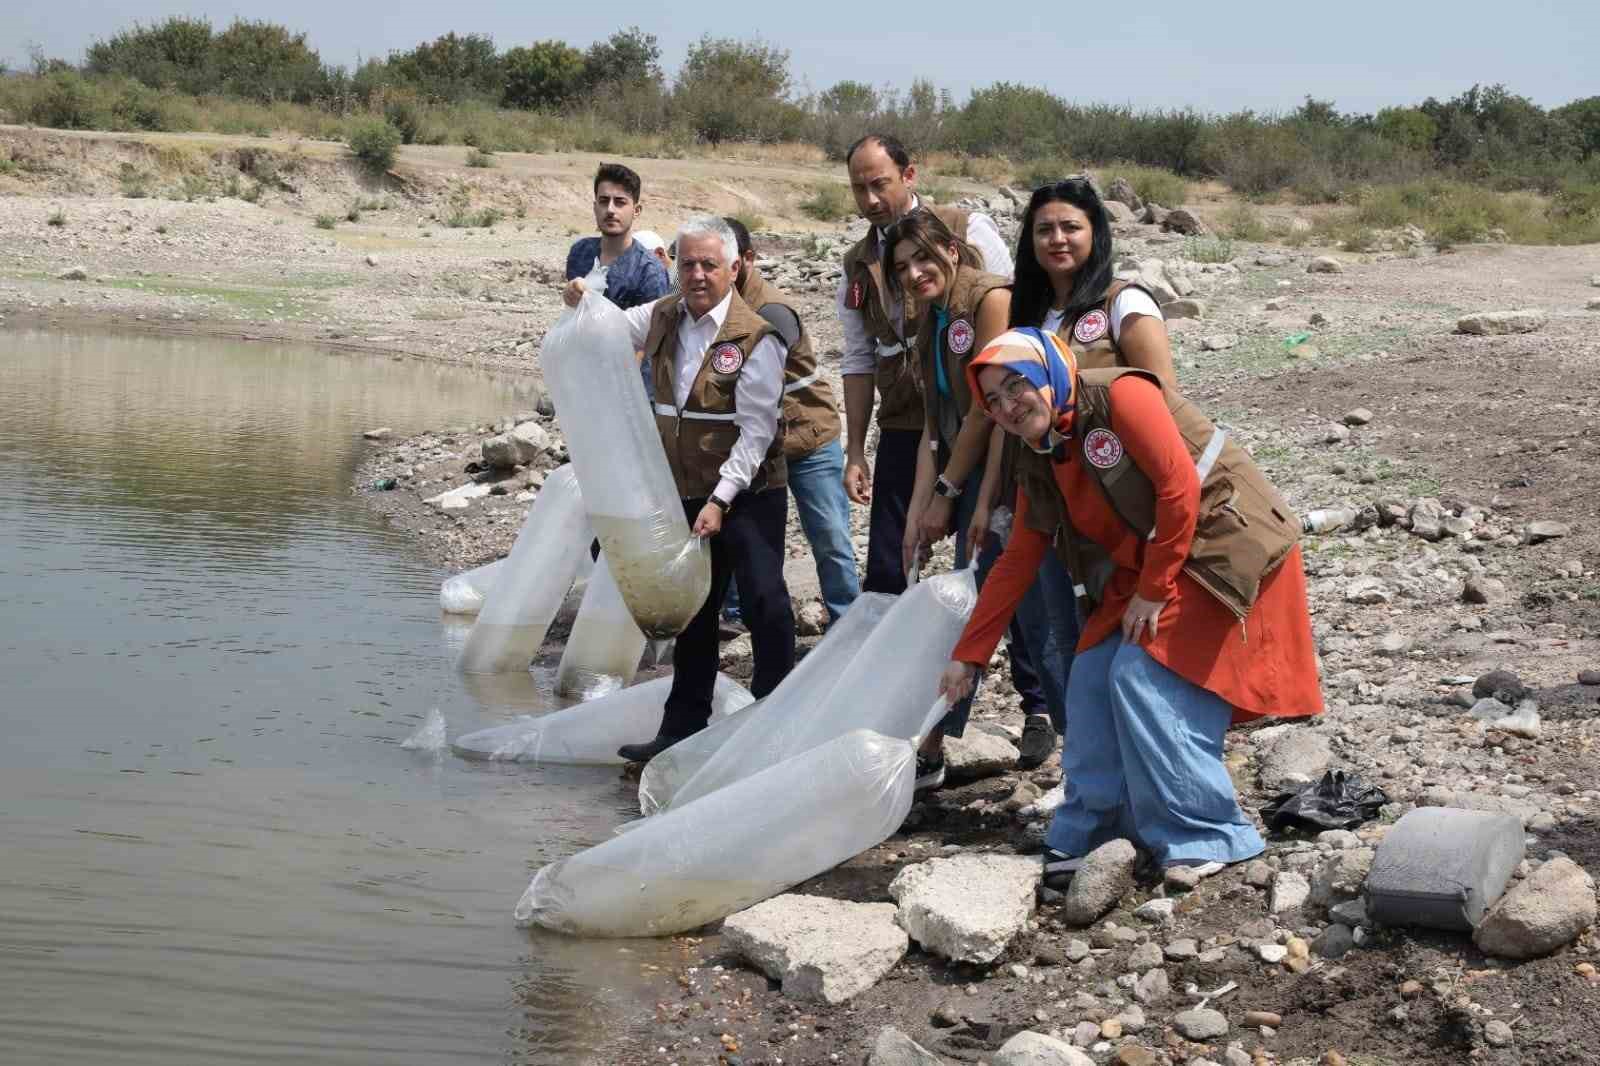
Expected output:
{"points": [[750, 547], [894, 476]]}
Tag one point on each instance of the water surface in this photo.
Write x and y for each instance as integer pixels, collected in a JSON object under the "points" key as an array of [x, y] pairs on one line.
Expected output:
{"points": [[212, 847]]}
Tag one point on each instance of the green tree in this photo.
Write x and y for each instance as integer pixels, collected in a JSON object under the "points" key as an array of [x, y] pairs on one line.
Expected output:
{"points": [[1408, 127], [175, 54], [265, 61], [1583, 117], [1015, 120], [545, 74], [451, 68], [627, 56], [730, 89]]}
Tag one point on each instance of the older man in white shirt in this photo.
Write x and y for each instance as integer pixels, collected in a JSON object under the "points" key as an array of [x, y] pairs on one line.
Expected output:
{"points": [[718, 387], [879, 347]]}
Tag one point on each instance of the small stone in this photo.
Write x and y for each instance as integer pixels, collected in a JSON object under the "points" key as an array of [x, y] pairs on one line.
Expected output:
{"points": [[1201, 1023], [966, 907], [1359, 416], [1539, 532], [1134, 1055], [1543, 912], [1084, 1034], [1255, 1019], [1105, 876], [1368, 590], [1272, 953], [1484, 590], [1153, 988], [1352, 912], [1258, 873], [811, 619], [1335, 941], [1491, 323], [978, 755], [381, 433], [1324, 264], [1589, 677], [1410, 989], [372, 260], [1036, 1049], [1111, 1029], [1181, 949], [1182, 878], [1498, 1033], [1076, 951], [1218, 342], [1298, 948], [1156, 910], [894, 1048], [1290, 891], [1183, 309], [76, 273], [1145, 957]]}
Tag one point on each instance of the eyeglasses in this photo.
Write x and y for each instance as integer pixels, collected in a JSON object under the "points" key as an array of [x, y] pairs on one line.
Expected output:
{"points": [[1011, 390]]}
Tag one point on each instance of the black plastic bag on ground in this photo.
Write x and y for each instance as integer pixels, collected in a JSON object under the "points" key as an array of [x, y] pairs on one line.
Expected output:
{"points": [[1338, 801]]}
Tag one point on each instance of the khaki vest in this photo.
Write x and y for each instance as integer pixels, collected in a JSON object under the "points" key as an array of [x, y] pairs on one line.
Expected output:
{"points": [[810, 413], [1244, 529], [699, 438], [899, 384], [959, 344]]}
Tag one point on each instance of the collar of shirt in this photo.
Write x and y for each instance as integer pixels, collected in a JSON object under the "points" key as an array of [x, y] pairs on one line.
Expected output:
{"points": [[694, 337], [718, 314], [877, 234]]}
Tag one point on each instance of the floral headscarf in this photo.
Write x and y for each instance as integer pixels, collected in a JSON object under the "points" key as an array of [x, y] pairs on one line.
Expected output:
{"points": [[1044, 360]]}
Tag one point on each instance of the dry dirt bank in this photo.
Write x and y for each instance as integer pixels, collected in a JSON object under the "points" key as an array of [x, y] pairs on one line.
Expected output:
{"points": [[1480, 436]]}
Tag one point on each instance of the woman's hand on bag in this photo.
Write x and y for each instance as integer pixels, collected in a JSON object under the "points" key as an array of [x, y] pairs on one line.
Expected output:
{"points": [[956, 681], [934, 521], [911, 549], [978, 530], [1141, 616]]}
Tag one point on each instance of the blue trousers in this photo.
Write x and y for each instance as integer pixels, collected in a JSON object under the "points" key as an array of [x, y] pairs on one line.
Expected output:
{"points": [[816, 480], [1048, 619], [1143, 760]]}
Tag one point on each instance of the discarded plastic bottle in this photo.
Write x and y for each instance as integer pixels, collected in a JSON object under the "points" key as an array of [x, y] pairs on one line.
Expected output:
{"points": [[589, 734], [720, 854], [663, 573], [1327, 519], [603, 651], [533, 582]]}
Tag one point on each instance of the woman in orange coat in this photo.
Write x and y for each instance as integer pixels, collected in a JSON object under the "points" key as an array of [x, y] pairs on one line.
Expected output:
{"points": [[1163, 667]]}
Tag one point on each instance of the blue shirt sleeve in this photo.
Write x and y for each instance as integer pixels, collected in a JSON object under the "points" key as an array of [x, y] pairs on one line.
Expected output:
{"points": [[579, 261], [656, 283]]}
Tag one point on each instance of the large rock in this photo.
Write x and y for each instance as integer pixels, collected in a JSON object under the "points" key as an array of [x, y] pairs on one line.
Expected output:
{"points": [[525, 443], [1152, 274], [1492, 323], [894, 1048], [1293, 758], [1443, 868], [1036, 1049], [1104, 878], [978, 754], [1324, 264], [1121, 190], [823, 950], [1119, 212], [966, 907], [1182, 220], [1547, 910]]}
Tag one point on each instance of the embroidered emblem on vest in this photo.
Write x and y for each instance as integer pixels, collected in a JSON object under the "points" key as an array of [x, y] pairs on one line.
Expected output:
{"points": [[1102, 448], [1091, 327], [726, 358], [959, 336], [856, 297]]}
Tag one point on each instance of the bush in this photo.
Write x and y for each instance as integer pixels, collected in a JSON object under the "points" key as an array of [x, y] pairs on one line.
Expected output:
{"points": [[1241, 222], [829, 203], [1046, 171], [1208, 249], [326, 222], [751, 221], [57, 218], [374, 141], [479, 157], [1151, 183], [135, 182]]}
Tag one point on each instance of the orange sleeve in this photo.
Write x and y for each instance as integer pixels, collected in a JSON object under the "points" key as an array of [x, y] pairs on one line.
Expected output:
{"points": [[1003, 589], [1140, 417]]}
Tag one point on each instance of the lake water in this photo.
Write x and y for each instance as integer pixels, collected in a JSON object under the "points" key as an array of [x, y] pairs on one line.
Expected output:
{"points": [[212, 846]]}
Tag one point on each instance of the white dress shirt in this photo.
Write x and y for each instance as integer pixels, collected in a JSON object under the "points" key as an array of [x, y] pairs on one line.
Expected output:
{"points": [[757, 396], [861, 352]]}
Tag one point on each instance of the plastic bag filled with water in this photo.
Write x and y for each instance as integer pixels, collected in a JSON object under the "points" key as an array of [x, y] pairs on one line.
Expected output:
{"points": [[604, 648], [464, 593], [663, 573], [532, 581], [590, 733], [736, 847]]}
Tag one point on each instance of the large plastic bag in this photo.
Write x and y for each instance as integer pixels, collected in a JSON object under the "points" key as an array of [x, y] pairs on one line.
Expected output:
{"points": [[705, 860], [669, 771], [534, 581], [664, 574], [590, 733], [1338, 801], [887, 687], [464, 593], [604, 648]]}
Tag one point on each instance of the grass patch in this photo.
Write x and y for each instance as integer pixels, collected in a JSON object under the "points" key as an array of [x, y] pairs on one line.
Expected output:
{"points": [[57, 218], [749, 220], [481, 158], [940, 192], [1048, 171], [1454, 212], [828, 203], [1242, 222], [135, 182], [326, 221], [374, 142], [1208, 249], [1151, 183]]}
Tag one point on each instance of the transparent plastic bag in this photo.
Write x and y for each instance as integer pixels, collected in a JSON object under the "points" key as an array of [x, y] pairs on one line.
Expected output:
{"points": [[669, 771], [590, 733], [605, 646], [464, 593], [533, 583], [705, 860], [887, 687], [589, 365]]}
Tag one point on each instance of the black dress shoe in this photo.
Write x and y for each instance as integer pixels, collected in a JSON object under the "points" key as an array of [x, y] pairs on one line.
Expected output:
{"points": [[1038, 741], [648, 750]]}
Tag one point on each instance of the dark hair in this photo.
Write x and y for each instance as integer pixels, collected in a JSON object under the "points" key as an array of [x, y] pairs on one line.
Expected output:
{"points": [[740, 234], [617, 174], [1031, 290], [928, 232], [888, 142]]}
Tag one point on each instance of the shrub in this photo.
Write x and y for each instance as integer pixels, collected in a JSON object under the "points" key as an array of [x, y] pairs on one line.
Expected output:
{"points": [[135, 182], [1151, 183], [374, 142], [479, 157], [326, 222], [828, 203], [353, 212], [56, 218], [1241, 222], [750, 220], [1208, 249], [1045, 171]]}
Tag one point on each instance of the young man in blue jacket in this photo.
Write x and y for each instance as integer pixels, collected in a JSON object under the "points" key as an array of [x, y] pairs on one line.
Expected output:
{"points": [[614, 263]]}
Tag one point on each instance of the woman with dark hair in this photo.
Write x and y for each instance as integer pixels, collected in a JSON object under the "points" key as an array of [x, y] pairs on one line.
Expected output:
{"points": [[1189, 564], [962, 308], [1064, 285]]}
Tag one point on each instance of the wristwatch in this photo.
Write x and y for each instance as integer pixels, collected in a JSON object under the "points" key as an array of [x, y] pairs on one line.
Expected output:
{"points": [[722, 505], [945, 488]]}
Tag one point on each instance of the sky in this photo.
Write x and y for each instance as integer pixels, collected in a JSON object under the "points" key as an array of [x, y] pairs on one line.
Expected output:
{"points": [[1217, 57]]}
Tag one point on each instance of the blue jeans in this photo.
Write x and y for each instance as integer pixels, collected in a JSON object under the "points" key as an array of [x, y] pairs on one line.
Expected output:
{"points": [[816, 480], [1142, 759], [1048, 615]]}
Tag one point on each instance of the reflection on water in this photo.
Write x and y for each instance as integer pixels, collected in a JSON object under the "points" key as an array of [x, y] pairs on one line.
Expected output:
{"points": [[214, 847]]}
